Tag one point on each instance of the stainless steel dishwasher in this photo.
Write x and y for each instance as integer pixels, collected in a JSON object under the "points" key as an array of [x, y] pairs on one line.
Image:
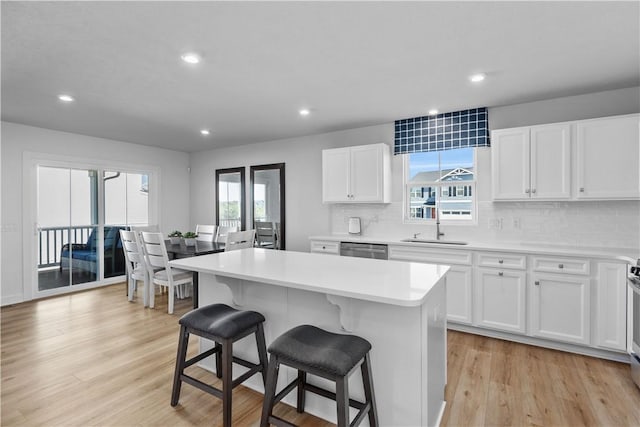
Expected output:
{"points": [[364, 250]]}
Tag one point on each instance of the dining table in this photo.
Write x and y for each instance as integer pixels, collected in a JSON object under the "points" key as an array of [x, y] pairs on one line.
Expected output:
{"points": [[181, 250]]}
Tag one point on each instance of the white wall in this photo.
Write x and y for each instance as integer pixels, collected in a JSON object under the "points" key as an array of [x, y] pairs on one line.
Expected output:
{"points": [[305, 213], [565, 223], [17, 140]]}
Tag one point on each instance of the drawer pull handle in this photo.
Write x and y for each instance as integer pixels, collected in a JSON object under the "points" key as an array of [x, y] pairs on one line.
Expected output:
{"points": [[537, 283], [582, 189], [324, 247], [500, 261], [560, 265], [500, 273]]}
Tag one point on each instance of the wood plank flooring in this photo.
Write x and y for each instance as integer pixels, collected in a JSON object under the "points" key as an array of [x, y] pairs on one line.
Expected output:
{"points": [[94, 359]]}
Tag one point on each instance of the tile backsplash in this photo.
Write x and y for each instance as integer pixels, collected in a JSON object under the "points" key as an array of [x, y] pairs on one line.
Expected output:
{"points": [[610, 224]]}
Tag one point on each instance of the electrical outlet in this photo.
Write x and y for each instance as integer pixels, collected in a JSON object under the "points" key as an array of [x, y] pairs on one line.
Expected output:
{"points": [[495, 223]]}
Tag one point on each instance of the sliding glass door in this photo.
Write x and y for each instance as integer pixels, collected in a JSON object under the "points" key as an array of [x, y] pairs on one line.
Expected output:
{"points": [[80, 213]]}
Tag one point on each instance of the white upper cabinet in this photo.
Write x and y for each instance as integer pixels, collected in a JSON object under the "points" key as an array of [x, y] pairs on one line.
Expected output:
{"points": [[608, 158], [359, 174], [531, 163]]}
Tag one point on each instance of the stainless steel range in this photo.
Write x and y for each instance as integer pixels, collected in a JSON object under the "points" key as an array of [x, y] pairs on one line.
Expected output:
{"points": [[634, 321]]}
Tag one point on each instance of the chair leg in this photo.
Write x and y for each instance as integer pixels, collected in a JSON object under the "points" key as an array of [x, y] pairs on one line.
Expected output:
{"points": [[183, 341], [262, 352], [342, 399], [152, 294], [269, 391], [302, 380], [227, 381], [219, 360], [130, 283], [172, 292], [145, 298], [369, 395]]}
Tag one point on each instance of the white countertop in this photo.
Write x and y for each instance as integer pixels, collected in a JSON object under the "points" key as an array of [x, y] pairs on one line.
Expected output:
{"points": [[629, 255], [389, 282]]}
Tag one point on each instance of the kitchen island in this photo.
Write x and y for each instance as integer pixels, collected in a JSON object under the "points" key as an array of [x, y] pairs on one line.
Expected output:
{"points": [[398, 306]]}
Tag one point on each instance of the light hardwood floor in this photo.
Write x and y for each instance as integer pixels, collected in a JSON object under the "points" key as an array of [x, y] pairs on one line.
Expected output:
{"points": [[94, 359]]}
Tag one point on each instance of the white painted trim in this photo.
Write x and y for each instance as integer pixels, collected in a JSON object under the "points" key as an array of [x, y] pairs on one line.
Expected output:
{"points": [[587, 351], [29, 208]]}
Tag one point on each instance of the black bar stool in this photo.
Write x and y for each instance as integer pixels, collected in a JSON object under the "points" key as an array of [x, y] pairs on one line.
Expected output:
{"points": [[332, 356], [224, 325]]}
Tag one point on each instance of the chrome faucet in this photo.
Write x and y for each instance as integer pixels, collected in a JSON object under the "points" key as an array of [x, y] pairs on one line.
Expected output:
{"points": [[415, 235]]}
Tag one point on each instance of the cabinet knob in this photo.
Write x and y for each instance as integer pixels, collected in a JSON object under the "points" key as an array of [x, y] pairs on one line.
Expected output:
{"points": [[560, 265], [324, 247], [537, 283], [527, 191], [582, 189], [533, 191], [500, 261], [500, 273]]}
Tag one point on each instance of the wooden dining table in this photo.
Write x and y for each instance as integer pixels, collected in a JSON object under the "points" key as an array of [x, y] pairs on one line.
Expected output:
{"points": [[183, 251]]}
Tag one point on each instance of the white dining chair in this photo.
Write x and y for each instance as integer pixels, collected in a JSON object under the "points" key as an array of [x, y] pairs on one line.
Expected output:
{"points": [[223, 230], [265, 234], [206, 233], [239, 240], [135, 265], [160, 271]]}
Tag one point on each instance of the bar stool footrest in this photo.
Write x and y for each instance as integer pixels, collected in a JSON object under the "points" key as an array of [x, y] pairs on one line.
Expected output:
{"points": [[202, 386], [201, 356]]}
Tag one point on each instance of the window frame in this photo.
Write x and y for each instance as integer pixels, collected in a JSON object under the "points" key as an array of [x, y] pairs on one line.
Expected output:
{"points": [[459, 219]]}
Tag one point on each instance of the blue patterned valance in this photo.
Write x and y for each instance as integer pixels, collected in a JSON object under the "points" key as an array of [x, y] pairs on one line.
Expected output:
{"points": [[460, 129]]}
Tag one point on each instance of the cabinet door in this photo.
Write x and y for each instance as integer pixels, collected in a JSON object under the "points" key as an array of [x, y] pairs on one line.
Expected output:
{"points": [[366, 174], [459, 294], [324, 247], [608, 154], [500, 299], [611, 315], [335, 175], [510, 164], [550, 162], [560, 308]]}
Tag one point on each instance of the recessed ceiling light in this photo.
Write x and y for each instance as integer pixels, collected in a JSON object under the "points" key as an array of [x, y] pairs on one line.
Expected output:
{"points": [[205, 132], [191, 58], [65, 98], [477, 77], [304, 112], [433, 112]]}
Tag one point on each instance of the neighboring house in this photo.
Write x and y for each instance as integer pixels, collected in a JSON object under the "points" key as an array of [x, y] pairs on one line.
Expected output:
{"points": [[455, 199]]}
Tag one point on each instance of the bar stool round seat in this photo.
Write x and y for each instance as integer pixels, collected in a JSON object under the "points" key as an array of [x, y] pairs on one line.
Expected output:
{"points": [[312, 350], [224, 325]]}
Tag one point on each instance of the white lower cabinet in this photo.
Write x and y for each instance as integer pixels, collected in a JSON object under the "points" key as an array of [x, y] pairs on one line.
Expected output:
{"points": [[611, 306], [325, 247], [459, 278], [560, 307], [499, 300], [459, 295]]}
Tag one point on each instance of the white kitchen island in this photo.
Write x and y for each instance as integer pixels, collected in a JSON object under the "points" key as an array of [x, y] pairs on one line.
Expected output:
{"points": [[398, 306]]}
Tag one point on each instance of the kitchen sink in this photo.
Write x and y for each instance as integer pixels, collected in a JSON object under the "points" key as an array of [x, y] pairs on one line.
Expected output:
{"points": [[440, 242]]}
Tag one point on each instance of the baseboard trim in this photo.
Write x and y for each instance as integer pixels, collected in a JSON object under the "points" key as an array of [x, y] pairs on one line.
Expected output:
{"points": [[11, 299], [571, 348]]}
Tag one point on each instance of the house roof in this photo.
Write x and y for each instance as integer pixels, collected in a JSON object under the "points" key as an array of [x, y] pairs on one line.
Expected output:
{"points": [[457, 174]]}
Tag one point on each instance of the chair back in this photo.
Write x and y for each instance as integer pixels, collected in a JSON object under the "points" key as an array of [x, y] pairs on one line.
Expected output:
{"points": [[239, 240], [223, 230], [130, 249], [265, 234], [278, 244], [206, 233], [154, 228], [155, 251]]}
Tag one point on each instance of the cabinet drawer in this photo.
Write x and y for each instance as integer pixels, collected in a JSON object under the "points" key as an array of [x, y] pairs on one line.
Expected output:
{"points": [[322, 247], [561, 265], [434, 256], [502, 260]]}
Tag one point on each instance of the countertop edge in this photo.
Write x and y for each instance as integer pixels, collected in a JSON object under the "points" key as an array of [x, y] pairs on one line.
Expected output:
{"points": [[493, 247]]}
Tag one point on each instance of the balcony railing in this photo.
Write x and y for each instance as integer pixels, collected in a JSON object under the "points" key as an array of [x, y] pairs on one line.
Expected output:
{"points": [[51, 240], [230, 223]]}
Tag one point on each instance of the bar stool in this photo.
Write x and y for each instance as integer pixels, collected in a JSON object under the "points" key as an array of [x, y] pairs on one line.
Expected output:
{"points": [[224, 325], [332, 356]]}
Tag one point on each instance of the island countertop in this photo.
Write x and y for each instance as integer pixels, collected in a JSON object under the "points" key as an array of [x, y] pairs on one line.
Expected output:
{"points": [[390, 282]]}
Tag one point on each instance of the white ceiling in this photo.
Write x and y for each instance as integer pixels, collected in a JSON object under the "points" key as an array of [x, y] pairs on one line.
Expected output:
{"points": [[352, 63]]}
